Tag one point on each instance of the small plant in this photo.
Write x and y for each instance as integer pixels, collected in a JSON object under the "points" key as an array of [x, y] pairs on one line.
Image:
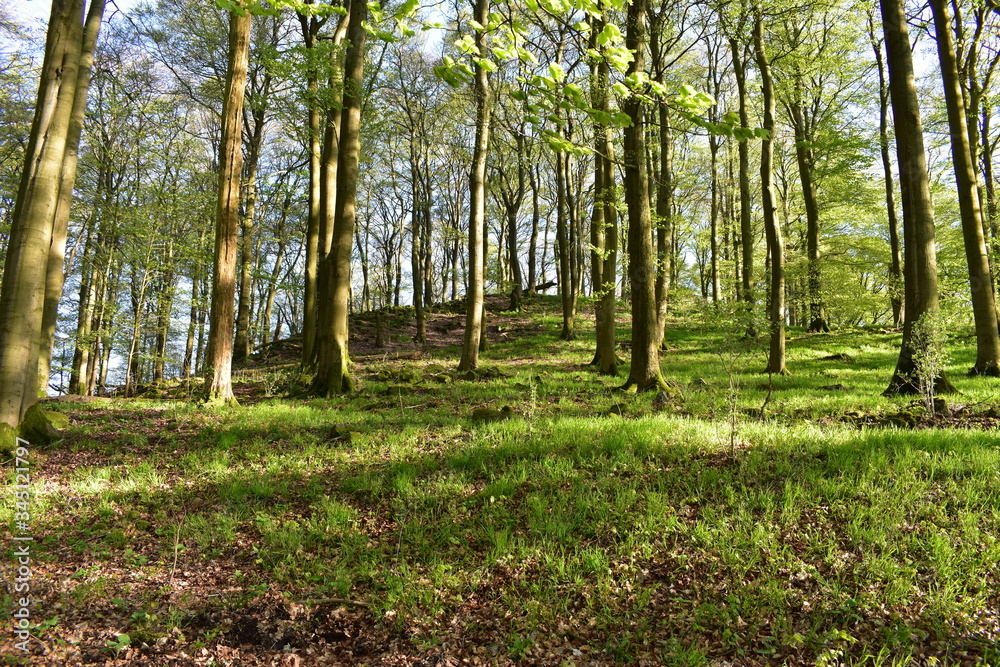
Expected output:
{"points": [[740, 343], [117, 645], [929, 356]]}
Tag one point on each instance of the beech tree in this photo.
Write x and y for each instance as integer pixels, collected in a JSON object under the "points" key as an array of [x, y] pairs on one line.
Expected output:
{"points": [[49, 170], [218, 381], [772, 227], [920, 288], [333, 372], [475, 291], [984, 308]]}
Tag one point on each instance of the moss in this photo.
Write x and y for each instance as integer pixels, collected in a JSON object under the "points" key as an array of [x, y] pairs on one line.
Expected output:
{"points": [[8, 439], [41, 426]]}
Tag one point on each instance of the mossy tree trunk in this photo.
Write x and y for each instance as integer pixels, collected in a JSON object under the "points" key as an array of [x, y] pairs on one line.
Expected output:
{"points": [[644, 373], [333, 373], [920, 290], [980, 279], [477, 203]]}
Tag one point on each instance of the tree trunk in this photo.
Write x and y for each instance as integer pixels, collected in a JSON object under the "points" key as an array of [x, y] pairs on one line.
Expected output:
{"points": [[644, 373], [980, 279], [333, 375], [664, 222], [22, 297], [218, 382], [920, 260], [772, 228], [566, 250], [164, 306], [604, 225], [57, 249], [310, 28], [802, 127], [896, 255], [713, 148], [477, 203]]}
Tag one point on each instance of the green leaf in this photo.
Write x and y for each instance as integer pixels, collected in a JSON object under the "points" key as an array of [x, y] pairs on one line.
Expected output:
{"points": [[408, 8], [610, 34], [467, 44], [556, 72], [486, 64]]}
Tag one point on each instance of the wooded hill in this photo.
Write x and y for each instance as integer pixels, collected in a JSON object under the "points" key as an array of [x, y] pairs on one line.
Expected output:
{"points": [[248, 173]]}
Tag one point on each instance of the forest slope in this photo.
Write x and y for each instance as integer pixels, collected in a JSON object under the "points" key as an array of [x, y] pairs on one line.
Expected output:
{"points": [[799, 521]]}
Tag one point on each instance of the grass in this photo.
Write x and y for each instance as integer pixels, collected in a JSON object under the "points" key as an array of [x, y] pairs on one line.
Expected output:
{"points": [[594, 526]]}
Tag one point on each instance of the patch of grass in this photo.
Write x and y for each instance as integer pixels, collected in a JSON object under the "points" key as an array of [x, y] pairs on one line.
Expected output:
{"points": [[629, 526]]}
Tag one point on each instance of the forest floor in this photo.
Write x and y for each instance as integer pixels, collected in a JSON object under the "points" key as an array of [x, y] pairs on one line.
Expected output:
{"points": [[734, 520]]}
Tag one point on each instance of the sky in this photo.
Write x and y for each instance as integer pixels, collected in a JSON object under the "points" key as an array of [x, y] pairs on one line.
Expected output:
{"points": [[32, 10]]}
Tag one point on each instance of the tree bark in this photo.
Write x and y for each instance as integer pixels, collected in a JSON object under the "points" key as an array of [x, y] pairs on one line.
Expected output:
{"points": [[333, 375], [22, 296], [772, 228], [477, 203], [604, 225], [802, 125], [219, 360], [980, 278], [896, 255], [920, 288], [57, 249], [644, 373]]}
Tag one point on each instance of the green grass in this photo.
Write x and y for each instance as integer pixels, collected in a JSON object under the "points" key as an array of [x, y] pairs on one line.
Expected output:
{"points": [[594, 519]]}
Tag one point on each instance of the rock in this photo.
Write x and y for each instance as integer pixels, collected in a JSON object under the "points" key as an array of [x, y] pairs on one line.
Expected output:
{"points": [[8, 439], [834, 387], [41, 427], [699, 382]]}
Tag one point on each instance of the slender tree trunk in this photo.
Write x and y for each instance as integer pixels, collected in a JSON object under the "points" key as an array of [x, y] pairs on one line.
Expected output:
{"points": [[644, 373], [920, 265], [566, 280], [272, 285], [310, 27], [980, 278], [186, 365], [333, 374], [772, 228], [713, 147], [477, 203], [604, 224], [329, 168], [81, 355], [164, 306], [533, 241], [896, 255], [218, 383], [664, 226], [57, 249]]}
